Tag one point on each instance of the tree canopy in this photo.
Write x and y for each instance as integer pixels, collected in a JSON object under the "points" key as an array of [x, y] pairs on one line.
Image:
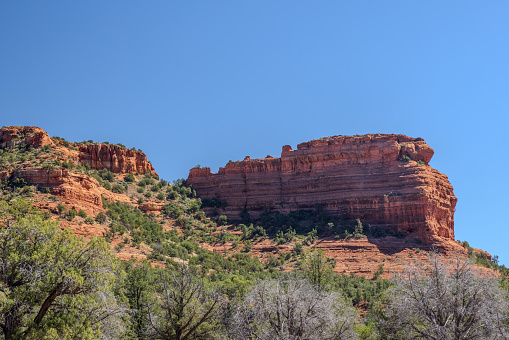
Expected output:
{"points": [[53, 284]]}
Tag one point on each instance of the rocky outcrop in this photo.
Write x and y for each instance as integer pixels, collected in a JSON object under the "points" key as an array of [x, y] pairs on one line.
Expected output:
{"points": [[75, 189], [98, 156], [382, 179], [115, 158], [31, 135]]}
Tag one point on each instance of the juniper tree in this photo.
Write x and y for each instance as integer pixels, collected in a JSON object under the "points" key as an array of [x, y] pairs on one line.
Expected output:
{"points": [[54, 284]]}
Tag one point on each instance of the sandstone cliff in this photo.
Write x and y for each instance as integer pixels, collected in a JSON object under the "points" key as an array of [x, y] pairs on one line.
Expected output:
{"points": [[382, 179], [72, 185], [31, 135], [115, 158], [76, 190], [98, 156]]}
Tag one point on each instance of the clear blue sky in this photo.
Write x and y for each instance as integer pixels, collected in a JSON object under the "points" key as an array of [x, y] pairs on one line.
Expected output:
{"points": [[204, 82]]}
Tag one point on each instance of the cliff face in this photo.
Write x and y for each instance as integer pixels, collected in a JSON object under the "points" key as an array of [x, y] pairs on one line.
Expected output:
{"points": [[98, 156], [76, 190], [31, 135], [382, 179], [115, 158], [73, 187]]}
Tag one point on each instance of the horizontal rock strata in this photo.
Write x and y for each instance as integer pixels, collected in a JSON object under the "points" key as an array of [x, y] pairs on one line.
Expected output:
{"points": [[71, 186], [98, 156], [115, 158], [382, 179]]}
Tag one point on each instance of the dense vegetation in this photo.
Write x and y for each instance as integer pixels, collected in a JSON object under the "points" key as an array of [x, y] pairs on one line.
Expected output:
{"points": [[52, 283], [97, 292], [57, 286]]}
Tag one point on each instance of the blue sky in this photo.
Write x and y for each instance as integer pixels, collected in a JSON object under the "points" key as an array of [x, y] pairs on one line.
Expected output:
{"points": [[204, 82]]}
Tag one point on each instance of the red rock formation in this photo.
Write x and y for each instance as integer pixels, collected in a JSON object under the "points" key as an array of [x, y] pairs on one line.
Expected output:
{"points": [[73, 187], [77, 189], [31, 135], [383, 179], [98, 156], [115, 158]]}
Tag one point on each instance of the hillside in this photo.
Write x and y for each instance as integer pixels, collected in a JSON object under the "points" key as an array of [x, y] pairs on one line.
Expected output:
{"points": [[384, 207]]}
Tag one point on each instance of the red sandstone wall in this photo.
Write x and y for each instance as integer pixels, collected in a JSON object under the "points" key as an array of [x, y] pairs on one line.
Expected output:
{"points": [[360, 176], [99, 156], [114, 158], [32, 135], [73, 187]]}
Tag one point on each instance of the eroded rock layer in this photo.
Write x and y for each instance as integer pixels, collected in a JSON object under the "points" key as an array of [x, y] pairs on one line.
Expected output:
{"points": [[74, 187], [31, 135], [382, 179], [98, 156], [115, 158]]}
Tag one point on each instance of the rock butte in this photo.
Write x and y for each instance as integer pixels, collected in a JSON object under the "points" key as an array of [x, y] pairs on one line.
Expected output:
{"points": [[382, 179]]}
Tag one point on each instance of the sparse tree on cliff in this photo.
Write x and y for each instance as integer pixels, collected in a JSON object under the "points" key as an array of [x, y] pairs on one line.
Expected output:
{"points": [[446, 300]]}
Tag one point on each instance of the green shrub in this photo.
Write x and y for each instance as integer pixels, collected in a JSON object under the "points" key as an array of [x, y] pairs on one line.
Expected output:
{"points": [[358, 228], [117, 188], [146, 181], [82, 213], [119, 247], [148, 194], [298, 249], [68, 165], [129, 178], [160, 196], [71, 214], [101, 218], [60, 208], [89, 220], [172, 211], [200, 215], [106, 175], [248, 246], [222, 220], [253, 232]]}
